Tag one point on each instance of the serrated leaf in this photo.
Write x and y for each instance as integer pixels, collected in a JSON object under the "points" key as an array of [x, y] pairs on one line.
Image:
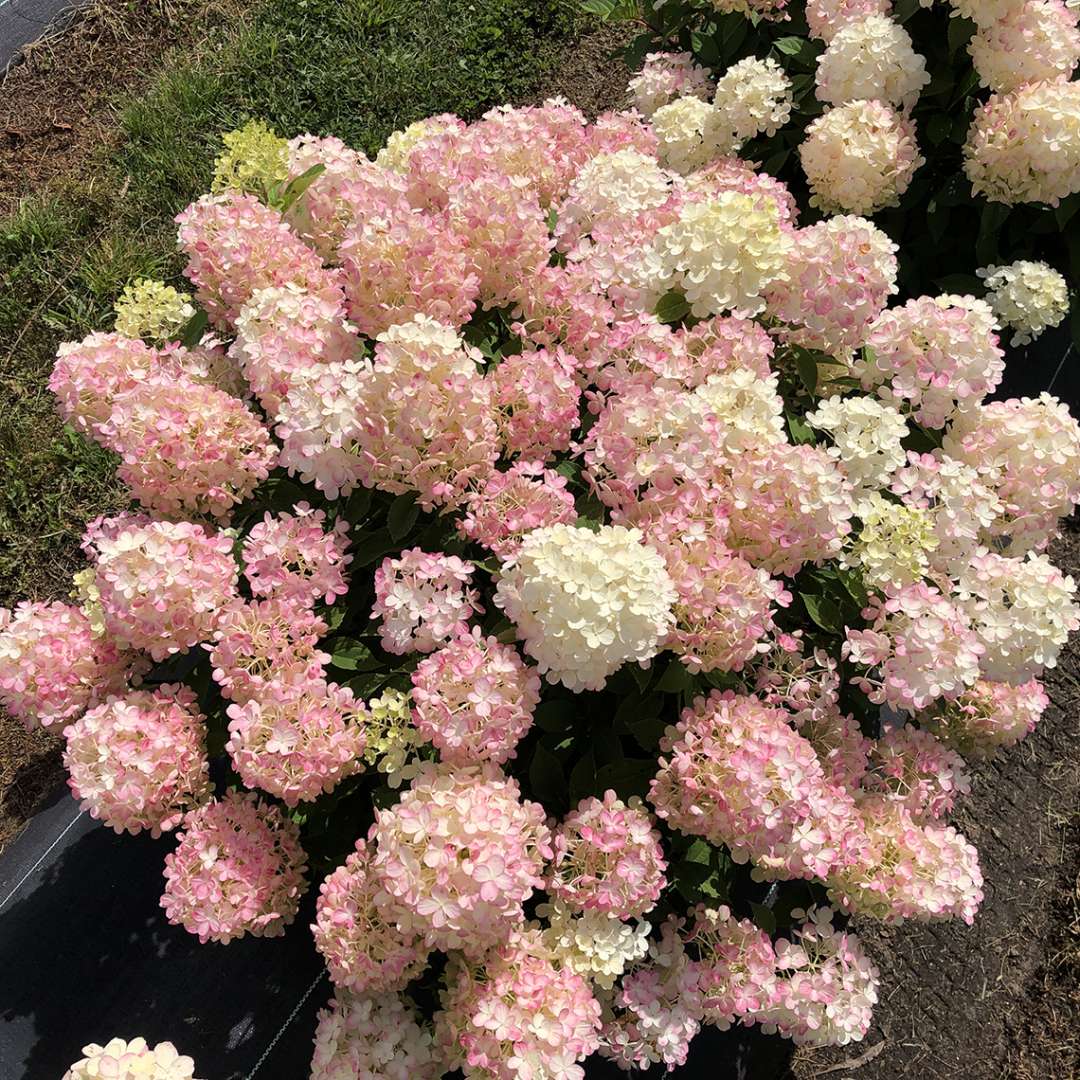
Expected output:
{"points": [[546, 777], [824, 612], [806, 363], [801, 432], [297, 187], [675, 679], [672, 307], [351, 655], [402, 516], [763, 918]]}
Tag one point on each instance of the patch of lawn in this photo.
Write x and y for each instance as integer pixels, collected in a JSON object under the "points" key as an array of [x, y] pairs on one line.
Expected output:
{"points": [[358, 69]]}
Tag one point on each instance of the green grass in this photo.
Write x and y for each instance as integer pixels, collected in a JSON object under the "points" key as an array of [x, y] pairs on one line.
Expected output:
{"points": [[358, 69]]}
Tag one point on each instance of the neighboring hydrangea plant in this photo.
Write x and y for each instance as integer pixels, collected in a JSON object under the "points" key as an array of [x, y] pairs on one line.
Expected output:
{"points": [[526, 559]]}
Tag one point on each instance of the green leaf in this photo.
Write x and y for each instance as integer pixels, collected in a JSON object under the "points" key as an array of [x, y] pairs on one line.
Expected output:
{"points": [[295, 189], [938, 128], [351, 655], [991, 223], [641, 676], [193, 332], [402, 516], [961, 31], [763, 917], [356, 509], [824, 612], [676, 679], [806, 362], [556, 716], [626, 778], [802, 50], [801, 432], [774, 164], [546, 776], [583, 778], [672, 307]]}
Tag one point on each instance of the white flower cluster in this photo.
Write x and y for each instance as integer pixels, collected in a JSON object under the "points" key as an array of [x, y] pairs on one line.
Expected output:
{"points": [[1037, 41], [612, 187], [1023, 611], [859, 157], [372, 1037], [723, 254], [893, 546], [866, 437], [1026, 296], [753, 97], [871, 59], [586, 602], [598, 946], [826, 18], [666, 76]]}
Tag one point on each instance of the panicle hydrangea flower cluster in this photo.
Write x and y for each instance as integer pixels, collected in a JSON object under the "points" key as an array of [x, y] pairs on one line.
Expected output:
{"points": [[597, 946], [356, 934], [131, 1059], [187, 450], [296, 740], [915, 769], [752, 97], [1037, 41], [294, 557], [584, 603], [735, 965], [520, 1016], [665, 76], [53, 665], [259, 642], [826, 18], [390, 736], [933, 356], [510, 505], [1027, 451], [153, 311], [988, 717], [840, 276], [1028, 297], [867, 437], [369, 1037], [238, 869], [871, 58], [904, 870], [921, 645], [1025, 146], [608, 858], [1022, 610], [422, 600], [859, 157], [735, 773], [536, 396], [162, 585], [473, 699], [139, 762], [828, 985], [893, 547], [459, 854]]}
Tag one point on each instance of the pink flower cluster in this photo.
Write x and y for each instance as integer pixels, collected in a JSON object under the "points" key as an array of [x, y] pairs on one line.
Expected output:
{"points": [[238, 868], [162, 585], [356, 933], [294, 557], [473, 699], [736, 773], [459, 854], [53, 666], [139, 762], [296, 740], [520, 1016], [422, 600], [608, 858]]}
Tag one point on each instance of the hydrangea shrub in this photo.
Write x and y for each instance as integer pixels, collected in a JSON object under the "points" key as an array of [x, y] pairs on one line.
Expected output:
{"points": [[592, 601]]}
